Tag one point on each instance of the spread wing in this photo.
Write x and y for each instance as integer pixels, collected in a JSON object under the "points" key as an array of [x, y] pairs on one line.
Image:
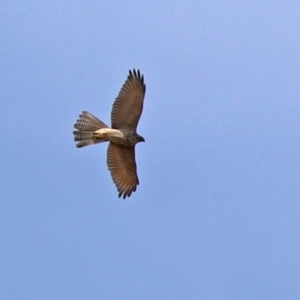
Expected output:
{"points": [[122, 167], [128, 106]]}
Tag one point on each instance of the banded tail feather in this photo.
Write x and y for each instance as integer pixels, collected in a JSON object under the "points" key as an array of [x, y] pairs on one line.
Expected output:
{"points": [[86, 125]]}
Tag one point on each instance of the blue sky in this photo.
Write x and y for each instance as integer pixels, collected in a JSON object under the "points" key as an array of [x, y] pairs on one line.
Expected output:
{"points": [[216, 215]]}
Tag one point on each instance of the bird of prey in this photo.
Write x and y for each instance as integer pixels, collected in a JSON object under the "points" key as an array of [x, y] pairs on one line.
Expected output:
{"points": [[122, 135]]}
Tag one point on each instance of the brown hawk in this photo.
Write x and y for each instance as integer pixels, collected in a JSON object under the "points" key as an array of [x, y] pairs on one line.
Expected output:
{"points": [[122, 135]]}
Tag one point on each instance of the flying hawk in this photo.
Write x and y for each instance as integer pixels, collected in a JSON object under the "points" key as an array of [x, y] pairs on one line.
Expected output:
{"points": [[122, 135]]}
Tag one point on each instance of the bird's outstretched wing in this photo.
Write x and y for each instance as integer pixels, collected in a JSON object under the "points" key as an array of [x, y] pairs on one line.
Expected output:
{"points": [[128, 106], [122, 167]]}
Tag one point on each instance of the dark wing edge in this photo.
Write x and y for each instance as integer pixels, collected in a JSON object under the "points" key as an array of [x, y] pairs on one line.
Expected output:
{"points": [[136, 75]]}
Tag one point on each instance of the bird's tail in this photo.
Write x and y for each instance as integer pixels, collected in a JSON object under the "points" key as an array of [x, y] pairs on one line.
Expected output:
{"points": [[86, 125]]}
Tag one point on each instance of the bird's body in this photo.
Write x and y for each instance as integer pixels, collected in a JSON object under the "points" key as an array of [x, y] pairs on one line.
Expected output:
{"points": [[122, 135]]}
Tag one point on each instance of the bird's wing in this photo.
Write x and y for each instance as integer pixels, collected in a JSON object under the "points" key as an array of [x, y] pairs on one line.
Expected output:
{"points": [[128, 106], [122, 167]]}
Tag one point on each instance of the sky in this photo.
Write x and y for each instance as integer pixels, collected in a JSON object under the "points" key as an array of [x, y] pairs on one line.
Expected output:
{"points": [[216, 215]]}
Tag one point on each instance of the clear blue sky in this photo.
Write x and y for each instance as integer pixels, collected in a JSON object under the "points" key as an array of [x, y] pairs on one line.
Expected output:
{"points": [[217, 213]]}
